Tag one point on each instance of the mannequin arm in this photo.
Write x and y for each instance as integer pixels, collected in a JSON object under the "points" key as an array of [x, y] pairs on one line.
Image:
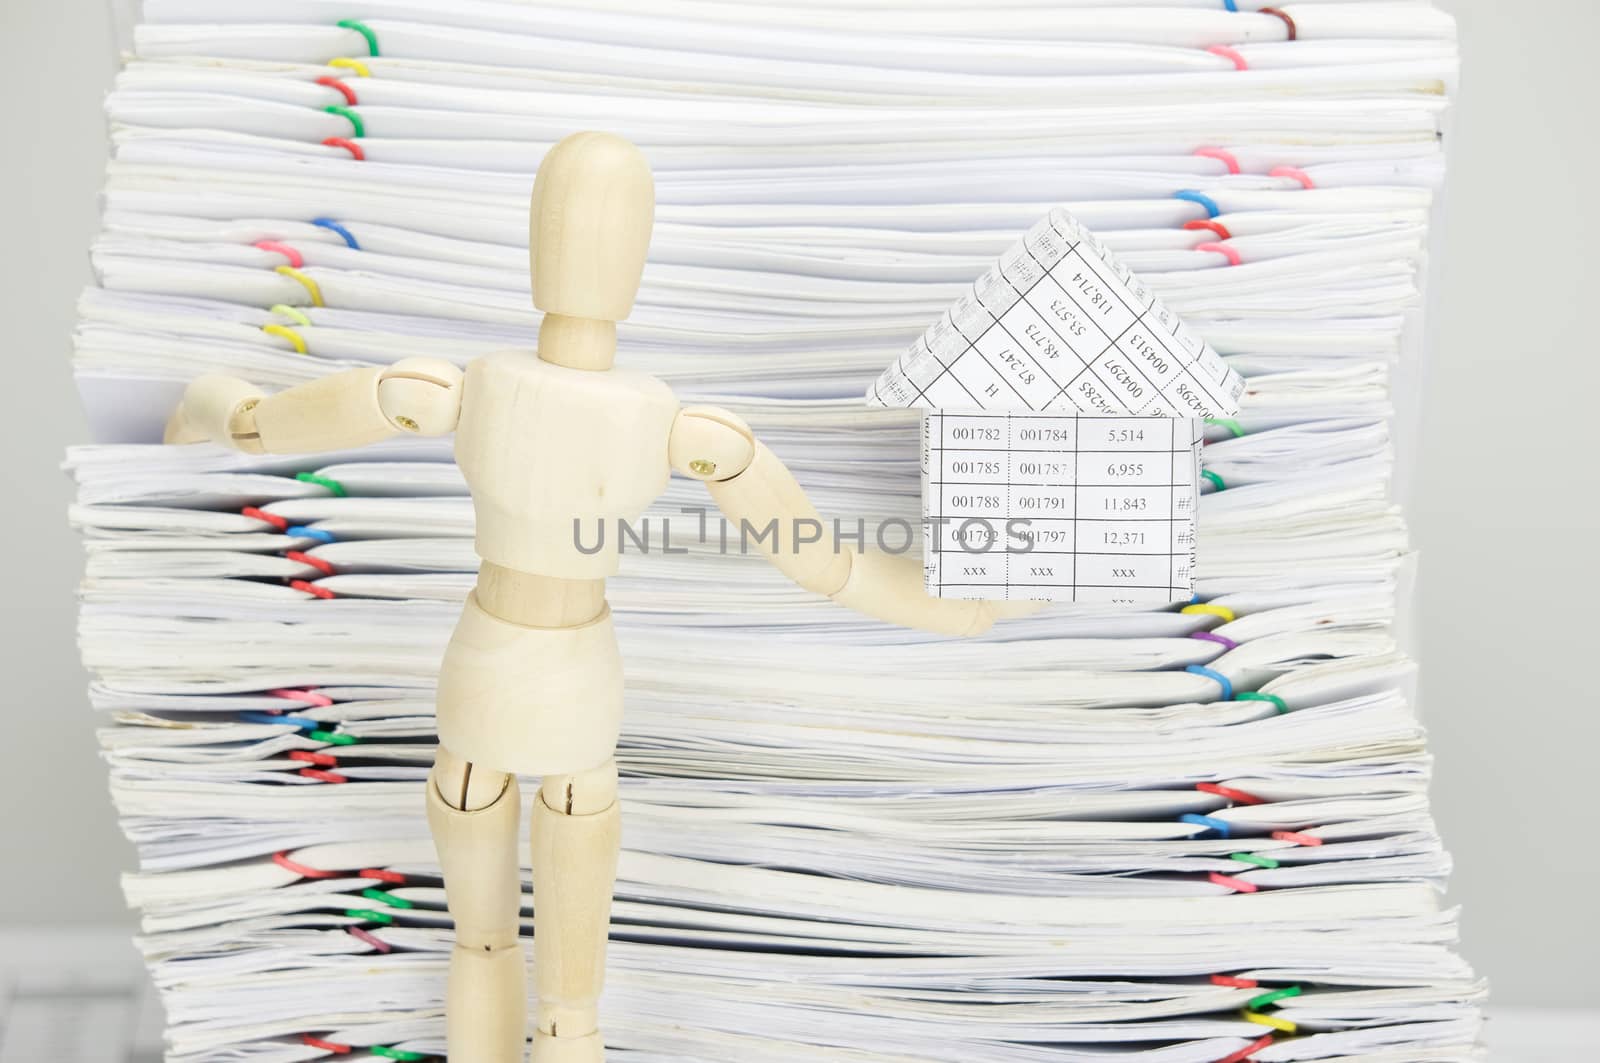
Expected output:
{"points": [[349, 409], [753, 488]]}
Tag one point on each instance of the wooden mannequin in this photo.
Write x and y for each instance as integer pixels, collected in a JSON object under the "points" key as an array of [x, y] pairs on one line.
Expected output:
{"points": [[532, 681]]}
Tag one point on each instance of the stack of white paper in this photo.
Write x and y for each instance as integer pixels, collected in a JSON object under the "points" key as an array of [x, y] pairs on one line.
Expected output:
{"points": [[1186, 834]]}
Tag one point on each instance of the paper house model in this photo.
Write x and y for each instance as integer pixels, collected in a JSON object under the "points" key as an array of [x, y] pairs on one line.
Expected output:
{"points": [[1061, 447]]}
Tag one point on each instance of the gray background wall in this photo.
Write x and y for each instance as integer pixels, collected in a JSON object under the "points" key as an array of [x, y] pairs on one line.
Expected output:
{"points": [[1506, 503]]}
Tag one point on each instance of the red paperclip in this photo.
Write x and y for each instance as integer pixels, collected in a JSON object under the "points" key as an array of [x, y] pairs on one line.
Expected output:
{"points": [[262, 515], [310, 588], [1222, 155], [308, 697], [1225, 250], [325, 760], [1230, 793], [315, 562], [1237, 884], [1205, 223], [1293, 172], [1234, 982], [1247, 1051], [1230, 54], [327, 1046], [341, 88], [283, 861], [296, 260], [1296, 837], [348, 145]]}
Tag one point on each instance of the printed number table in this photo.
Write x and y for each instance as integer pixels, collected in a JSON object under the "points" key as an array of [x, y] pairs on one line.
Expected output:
{"points": [[1057, 507]]}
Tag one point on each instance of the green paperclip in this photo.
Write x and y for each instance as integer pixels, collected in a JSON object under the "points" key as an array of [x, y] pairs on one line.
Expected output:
{"points": [[1253, 858], [333, 739], [394, 1053], [345, 112], [1273, 997], [365, 31], [1257, 695], [367, 915], [321, 481], [1227, 422], [384, 897], [1216, 481]]}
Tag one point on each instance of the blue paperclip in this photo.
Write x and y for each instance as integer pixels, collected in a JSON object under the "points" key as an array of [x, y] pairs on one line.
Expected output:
{"points": [[305, 723], [1212, 210], [1218, 677], [1208, 822], [333, 226]]}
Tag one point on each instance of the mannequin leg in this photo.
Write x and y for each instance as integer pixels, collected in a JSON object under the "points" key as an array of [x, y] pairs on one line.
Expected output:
{"points": [[473, 814], [576, 834]]}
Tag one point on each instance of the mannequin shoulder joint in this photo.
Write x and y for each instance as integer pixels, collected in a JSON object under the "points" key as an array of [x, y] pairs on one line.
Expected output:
{"points": [[708, 443], [421, 396]]}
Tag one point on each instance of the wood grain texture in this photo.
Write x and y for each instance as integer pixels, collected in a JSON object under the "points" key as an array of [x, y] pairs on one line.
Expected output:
{"points": [[486, 1005], [421, 395], [578, 342], [543, 446], [539, 601], [216, 407], [589, 225], [574, 869], [478, 856], [330, 413], [486, 1008], [890, 587], [766, 495], [530, 700], [709, 443]]}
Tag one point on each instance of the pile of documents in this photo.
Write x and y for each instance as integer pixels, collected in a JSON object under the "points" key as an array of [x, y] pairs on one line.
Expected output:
{"points": [[1186, 834]]}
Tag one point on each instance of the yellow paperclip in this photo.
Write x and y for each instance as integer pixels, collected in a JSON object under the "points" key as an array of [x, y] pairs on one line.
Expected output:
{"points": [[1282, 1025], [1215, 610], [344, 62], [1199, 607], [287, 333], [310, 285]]}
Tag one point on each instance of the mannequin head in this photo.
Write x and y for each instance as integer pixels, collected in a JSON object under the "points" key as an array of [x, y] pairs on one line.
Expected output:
{"points": [[589, 227]]}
